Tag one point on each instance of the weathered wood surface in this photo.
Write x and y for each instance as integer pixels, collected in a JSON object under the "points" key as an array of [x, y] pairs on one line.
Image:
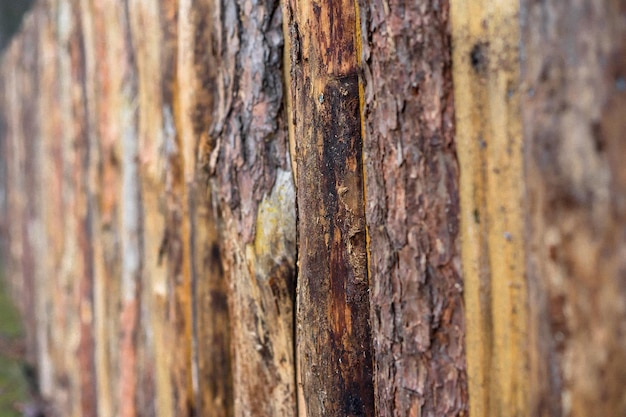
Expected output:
{"points": [[114, 218], [252, 185], [538, 88], [485, 35], [333, 333], [318, 208]]}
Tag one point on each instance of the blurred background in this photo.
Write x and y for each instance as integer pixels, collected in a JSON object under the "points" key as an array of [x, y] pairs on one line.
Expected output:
{"points": [[13, 368]]}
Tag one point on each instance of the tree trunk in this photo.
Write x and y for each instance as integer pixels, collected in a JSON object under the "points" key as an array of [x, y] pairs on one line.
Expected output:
{"points": [[317, 208], [413, 210], [333, 326]]}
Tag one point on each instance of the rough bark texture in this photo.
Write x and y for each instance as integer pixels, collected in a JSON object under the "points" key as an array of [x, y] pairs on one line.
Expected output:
{"points": [[452, 257], [333, 326], [574, 102], [255, 197], [412, 210]]}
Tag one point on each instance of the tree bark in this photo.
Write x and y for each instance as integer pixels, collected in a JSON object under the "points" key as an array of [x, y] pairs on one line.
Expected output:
{"points": [[307, 207], [412, 210], [254, 195]]}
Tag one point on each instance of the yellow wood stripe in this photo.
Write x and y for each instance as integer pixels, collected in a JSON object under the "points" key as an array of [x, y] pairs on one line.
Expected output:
{"points": [[358, 42], [489, 141]]}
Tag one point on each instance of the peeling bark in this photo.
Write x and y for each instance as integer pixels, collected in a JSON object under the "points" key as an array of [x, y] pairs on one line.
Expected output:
{"points": [[254, 195]]}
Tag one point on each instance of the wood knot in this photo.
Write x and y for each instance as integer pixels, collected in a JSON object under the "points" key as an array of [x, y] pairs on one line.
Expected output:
{"points": [[479, 57]]}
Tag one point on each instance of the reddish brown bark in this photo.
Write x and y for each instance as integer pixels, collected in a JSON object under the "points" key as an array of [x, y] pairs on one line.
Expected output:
{"points": [[412, 210]]}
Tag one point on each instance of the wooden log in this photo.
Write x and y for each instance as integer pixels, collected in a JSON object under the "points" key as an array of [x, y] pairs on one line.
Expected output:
{"points": [[573, 104], [333, 336], [48, 193], [151, 397], [254, 196], [68, 339], [412, 210], [211, 356], [80, 163], [107, 257], [177, 240], [485, 39]]}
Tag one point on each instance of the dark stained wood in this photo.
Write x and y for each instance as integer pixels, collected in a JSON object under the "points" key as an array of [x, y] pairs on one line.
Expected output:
{"points": [[212, 356], [211, 315], [333, 327]]}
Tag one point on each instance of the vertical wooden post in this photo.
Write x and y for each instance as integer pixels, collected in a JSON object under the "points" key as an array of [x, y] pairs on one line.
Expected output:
{"points": [[412, 210], [253, 192], [333, 337], [81, 162], [574, 107]]}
